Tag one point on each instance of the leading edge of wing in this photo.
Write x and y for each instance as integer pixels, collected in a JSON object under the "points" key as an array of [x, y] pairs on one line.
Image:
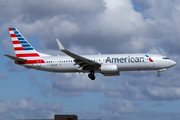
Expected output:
{"points": [[76, 57]]}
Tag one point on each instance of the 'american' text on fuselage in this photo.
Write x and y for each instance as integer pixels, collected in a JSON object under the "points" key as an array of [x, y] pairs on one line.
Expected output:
{"points": [[125, 60]]}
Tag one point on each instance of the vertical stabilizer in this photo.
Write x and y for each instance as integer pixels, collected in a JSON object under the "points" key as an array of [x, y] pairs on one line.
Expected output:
{"points": [[23, 48]]}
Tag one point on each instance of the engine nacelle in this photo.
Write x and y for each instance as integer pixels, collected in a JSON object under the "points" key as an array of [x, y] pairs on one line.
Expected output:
{"points": [[109, 70]]}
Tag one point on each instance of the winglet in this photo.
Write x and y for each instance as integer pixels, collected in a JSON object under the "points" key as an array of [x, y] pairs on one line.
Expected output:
{"points": [[60, 45]]}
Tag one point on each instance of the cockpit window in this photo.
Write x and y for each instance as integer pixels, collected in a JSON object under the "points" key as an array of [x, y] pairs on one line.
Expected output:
{"points": [[165, 58]]}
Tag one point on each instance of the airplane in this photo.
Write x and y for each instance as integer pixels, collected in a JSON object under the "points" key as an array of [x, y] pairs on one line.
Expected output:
{"points": [[107, 64]]}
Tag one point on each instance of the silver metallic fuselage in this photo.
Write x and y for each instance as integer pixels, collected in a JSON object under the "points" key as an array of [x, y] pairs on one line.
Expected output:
{"points": [[124, 62]]}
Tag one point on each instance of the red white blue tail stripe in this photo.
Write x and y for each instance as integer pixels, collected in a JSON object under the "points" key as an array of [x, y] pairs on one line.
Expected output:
{"points": [[22, 47]]}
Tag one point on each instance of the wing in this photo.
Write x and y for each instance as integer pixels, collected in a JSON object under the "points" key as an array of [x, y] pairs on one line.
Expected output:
{"points": [[84, 63]]}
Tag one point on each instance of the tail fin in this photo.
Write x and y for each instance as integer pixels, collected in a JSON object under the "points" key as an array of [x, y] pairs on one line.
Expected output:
{"points": [[21, 45], [25, 53]]}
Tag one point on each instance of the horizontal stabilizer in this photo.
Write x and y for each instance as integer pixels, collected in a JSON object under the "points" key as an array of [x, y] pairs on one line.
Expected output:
{"points": [[16, 58]]}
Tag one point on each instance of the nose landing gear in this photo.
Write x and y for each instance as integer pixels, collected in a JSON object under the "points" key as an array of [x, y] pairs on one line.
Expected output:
{"points": [[160, 71], [158, 74], [91, 75]]}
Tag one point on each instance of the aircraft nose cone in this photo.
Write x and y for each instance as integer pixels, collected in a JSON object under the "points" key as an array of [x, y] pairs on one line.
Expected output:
{"points": [[173, 63]]}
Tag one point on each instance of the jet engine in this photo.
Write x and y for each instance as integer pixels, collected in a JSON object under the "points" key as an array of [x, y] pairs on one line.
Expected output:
{"points": [[109, 70]]}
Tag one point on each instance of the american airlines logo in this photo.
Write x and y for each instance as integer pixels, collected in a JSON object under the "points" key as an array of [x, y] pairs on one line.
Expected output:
{"points": [[125, 60]]}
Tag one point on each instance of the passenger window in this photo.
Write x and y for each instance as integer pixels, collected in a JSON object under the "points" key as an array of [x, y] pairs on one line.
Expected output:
{"points": [[165, 58]]}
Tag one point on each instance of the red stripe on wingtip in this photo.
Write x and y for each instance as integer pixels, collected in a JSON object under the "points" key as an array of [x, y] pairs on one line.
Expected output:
{"points": [[28, 55], [10, 29], [18, 48], [151, 60], [13, 35]]}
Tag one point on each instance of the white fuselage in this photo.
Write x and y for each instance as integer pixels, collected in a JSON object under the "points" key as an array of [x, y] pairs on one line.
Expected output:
{"points": [[124, 62]]}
